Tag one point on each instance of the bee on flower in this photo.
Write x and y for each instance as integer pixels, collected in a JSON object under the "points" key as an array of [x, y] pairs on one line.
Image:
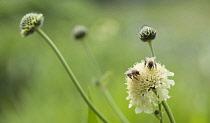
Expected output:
{"points": [[132, 73], [152, 77]]}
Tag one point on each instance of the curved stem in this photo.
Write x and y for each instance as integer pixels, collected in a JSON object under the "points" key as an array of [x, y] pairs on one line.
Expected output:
{"points": [[168, 111], [104, 89], [71, 75], [150, 45]]}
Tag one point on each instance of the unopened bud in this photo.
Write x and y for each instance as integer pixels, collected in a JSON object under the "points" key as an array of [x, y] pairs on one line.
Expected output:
{"points": [[147, 33], [79, 32], [30, 22], [156, 112]]}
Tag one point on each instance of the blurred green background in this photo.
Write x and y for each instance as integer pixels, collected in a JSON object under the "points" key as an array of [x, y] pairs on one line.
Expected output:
{"points": [[35, 88]]}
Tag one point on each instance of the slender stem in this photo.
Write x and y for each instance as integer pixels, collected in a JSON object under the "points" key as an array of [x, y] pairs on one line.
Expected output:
{"points": [[114, 106], [71, 75], [159, 106], [150, 45], [159, 103], [160, 110], [164, 103], [92, 58], [168, 111], [104, 89]]}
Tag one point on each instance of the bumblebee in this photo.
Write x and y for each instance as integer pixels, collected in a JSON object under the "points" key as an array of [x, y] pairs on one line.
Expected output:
{"points": [[150, 62], [132, 73]]}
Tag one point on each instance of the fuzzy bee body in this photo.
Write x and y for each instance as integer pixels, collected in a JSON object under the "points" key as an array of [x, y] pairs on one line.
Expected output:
{"points": [[150, 62], [132, 73]]}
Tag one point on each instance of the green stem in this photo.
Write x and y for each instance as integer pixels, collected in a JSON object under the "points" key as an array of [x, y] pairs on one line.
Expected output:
{"points": [[92, 58], [159, 103], [150, 45], [164, 103], [114, 106], [168, 111], [104, 89], [160, 110], [71, 75]]}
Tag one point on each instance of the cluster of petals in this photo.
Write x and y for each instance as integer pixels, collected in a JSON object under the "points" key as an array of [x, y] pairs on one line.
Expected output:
{"points": [[141, 87]]}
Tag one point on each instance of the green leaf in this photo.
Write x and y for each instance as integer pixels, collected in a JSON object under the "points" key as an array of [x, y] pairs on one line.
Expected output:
{"points": [[91, 115]]}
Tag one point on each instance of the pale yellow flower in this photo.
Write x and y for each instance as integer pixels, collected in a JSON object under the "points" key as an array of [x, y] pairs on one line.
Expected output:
{"points": [[152, 77]]}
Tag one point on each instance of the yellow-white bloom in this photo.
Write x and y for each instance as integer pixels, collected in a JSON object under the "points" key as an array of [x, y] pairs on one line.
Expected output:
{"points": [[152, 77]]}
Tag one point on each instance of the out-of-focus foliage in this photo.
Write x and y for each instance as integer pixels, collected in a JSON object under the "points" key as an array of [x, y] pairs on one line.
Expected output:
{"points": [[34, 87]]}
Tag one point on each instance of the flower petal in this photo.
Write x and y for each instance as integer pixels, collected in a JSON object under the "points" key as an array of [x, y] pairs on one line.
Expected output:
{"points": [[138, 110]]}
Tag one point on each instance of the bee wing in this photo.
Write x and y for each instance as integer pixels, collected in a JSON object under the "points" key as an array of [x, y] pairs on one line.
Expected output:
{"points": [[127, 72], [153, 58], [147, 58]]}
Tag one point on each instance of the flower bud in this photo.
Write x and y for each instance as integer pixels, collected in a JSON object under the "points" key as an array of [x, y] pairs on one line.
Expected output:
{"points": [[79, 32], [30, 22], [147, 33], [156, 112]]}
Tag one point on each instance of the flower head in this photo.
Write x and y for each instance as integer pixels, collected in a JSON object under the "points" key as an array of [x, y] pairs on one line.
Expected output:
{"points": [[79, 32], [30, 22], [152, 77], [147, 34]]}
